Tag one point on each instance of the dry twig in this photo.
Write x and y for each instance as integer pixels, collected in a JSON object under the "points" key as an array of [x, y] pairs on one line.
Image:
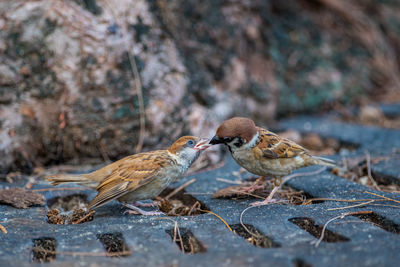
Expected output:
{"points": [[387, 198], [353, 206], [176, 190], [228, 181], [59, 189], [373, 182], [3, 229], [219, 217], [341, 216], [90, 213]]}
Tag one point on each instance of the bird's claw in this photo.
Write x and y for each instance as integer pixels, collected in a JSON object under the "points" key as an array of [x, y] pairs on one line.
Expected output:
{"points": [[143, 204], [265, 202], [142, 212]]}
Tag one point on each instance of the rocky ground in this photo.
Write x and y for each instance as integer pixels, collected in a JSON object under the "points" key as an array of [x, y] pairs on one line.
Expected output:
{"points": [[357, 203], [89, 80]]}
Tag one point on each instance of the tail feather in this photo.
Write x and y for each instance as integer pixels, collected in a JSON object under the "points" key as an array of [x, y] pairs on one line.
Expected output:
{"points": [[71, 178], [324, 161]]}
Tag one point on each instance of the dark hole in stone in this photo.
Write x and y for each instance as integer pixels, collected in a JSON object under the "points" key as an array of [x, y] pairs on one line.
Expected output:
{"points": [[309, 225], [68, 203], [114, 244], [254, 236], [186, 241], [386, 180], [301, 263], [181, 204], [357, 171], [343, 145], [71, 209], [380, 221], [44, 249]]}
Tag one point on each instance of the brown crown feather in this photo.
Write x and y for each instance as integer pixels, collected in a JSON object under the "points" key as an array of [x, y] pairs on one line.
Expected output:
{"points": [[237, 126], [175, 147]]}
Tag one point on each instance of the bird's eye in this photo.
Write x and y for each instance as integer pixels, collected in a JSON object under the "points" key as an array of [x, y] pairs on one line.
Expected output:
{"points": [[227, 139], [190, 143]]}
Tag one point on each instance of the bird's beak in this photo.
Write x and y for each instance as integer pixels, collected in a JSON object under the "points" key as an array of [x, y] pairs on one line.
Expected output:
{"points": [[202, 144], [215, 140]]}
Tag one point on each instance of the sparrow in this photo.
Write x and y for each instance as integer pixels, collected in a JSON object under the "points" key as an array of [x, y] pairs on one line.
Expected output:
{"points": [[262, 152], [139, 176]]}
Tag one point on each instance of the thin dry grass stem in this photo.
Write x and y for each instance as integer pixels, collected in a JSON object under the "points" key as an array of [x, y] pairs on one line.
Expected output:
{"points": [[177, 232], [103, 151], [197, 193], [246, 193], [241, 221], [176, 190], [228, 181], [196, 206], [138, 84], [341, 216], [353, 206], [59, 189], [90, 213], [219, 217], [3, 229], [309, 201], [80, 253], [387, 198], [368, 159], [370, 202]]}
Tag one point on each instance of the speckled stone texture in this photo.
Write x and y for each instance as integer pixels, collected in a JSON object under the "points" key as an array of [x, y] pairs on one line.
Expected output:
{"points": [[150, 244], [68, 80]]}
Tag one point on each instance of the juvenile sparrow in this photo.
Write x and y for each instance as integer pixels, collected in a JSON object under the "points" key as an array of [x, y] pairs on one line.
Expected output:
{"points": [[140, 176], [262, 152]]}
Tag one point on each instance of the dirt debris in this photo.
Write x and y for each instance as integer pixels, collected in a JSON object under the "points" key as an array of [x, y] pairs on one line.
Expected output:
{"points": [[54, 216], [180, 204], [356, 170]]}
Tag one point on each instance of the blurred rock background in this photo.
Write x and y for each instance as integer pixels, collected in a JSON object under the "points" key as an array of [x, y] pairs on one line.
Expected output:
{"points": [[87, 79]]}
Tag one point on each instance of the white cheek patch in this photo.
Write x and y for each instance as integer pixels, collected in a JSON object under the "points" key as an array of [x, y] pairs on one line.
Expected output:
{"points": [[249, 145], [253, 141]]}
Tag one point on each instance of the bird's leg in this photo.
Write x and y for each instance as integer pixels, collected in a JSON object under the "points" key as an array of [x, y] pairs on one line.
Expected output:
{"points": [[282, 181], [278, 184], [151, 204], [255, 186], [132, 209]]}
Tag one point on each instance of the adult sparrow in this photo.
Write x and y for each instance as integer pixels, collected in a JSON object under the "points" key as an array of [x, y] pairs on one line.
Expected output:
{"points": [[262, 152], [140, 176]]}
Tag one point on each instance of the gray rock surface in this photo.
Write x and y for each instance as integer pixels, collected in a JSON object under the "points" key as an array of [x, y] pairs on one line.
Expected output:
{"points": [[69, 69]]}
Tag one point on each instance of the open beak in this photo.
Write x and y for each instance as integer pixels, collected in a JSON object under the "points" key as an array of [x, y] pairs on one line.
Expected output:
{"points": [[215, 140], [202, 144]]}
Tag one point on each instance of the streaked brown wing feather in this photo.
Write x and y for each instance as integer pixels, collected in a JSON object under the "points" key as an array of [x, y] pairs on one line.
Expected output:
{"points": [[132, 173], [274, 146]]}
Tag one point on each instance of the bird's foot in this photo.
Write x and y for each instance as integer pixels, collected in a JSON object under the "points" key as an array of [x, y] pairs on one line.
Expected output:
{"points": [[264, 202], [152, 204], [135, 210], [268, 200], [252, 188]]}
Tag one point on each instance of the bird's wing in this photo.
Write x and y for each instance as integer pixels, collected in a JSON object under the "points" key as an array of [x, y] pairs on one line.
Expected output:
{"points": [[132, 172], [274, 146]]}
